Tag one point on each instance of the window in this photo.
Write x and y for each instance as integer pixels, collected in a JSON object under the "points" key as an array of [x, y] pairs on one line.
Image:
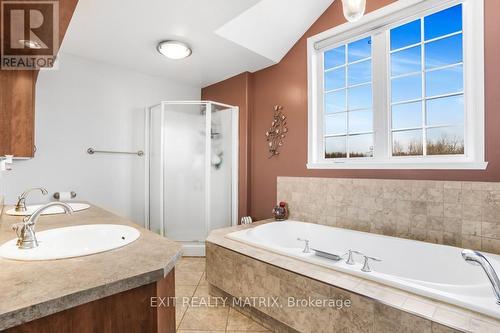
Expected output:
{"points": [[391, 92], [348, 100], [427, 96]]}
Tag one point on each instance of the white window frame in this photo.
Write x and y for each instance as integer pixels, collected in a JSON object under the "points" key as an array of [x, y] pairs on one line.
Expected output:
{"points": [[377, 24]]}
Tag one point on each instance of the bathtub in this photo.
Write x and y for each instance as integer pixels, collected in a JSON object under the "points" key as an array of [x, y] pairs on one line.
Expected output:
{"points": [[431, 270]]}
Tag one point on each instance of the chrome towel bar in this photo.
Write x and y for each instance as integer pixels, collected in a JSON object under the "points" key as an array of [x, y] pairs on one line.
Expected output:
{"points": [[92, 151]]}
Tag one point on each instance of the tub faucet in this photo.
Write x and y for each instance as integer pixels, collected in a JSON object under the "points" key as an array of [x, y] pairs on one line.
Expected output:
{"points": [[307, 249], [350, 256], [478, 259], [366, 265], [26, 237], [21, 201]]}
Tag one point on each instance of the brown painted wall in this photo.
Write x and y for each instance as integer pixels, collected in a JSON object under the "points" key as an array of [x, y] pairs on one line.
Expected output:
{"points": [[237, 91], [286, 84]]}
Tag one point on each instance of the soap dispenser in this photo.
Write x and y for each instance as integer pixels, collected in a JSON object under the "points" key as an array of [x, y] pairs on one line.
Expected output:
{"points": [[5, 165], [6, 162]]}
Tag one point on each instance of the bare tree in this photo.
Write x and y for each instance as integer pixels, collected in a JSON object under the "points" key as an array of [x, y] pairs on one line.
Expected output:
{"points": [[414, 148], [446, 145]]}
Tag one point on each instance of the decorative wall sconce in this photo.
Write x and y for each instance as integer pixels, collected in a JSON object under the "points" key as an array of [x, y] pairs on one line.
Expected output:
{"points": [[277, 132]]}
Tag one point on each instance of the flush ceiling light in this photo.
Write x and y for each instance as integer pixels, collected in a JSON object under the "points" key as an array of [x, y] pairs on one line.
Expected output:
{"points": [[174, 49], [353, 9]]}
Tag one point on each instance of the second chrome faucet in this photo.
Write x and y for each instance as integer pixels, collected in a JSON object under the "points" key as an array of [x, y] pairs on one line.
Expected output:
{"points": [[26, 236], [21, 201], [366, 264]]}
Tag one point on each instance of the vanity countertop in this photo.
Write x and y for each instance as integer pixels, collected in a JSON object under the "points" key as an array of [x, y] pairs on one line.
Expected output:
{"points": [[33, 289]]}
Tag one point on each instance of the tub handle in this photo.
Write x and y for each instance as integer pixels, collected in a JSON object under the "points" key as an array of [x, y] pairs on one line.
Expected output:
{"points": [[350, 257], [366, 266], [307, 249]]}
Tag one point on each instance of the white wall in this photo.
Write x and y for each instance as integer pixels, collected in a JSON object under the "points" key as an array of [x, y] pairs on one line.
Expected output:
{"points": [[88, 104]]}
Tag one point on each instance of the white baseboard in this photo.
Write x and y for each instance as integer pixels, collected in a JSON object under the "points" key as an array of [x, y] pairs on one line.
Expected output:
{"points": [[193, 249]]}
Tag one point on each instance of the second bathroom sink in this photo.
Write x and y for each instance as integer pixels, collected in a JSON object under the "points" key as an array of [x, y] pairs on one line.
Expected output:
{"points": [[50, 211]]}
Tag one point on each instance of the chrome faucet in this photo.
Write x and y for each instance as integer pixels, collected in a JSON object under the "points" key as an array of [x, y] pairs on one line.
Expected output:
{"points": [[350, 257], [366, 264], [26, 237], [366, 267], [21, 201], [478, 259], [307, 249]]}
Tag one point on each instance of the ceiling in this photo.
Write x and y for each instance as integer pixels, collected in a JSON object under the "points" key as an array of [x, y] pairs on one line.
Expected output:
{"points": [[227, 36]]}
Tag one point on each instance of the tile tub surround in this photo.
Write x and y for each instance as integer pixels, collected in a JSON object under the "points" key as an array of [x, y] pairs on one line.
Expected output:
{"points": [[243, 270], [462, 214], [192, 285], [31, 290]]}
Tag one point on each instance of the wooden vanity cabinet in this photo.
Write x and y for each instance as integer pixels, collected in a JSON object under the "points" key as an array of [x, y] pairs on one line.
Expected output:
{"points": [[129, 311]]}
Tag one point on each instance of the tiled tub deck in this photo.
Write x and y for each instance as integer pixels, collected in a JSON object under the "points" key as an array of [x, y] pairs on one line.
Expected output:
{"points": [[241, 270]]}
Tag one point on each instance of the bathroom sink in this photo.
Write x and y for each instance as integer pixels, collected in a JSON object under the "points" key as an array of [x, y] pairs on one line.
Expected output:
{"points": [[69, 242], [50, 211]]}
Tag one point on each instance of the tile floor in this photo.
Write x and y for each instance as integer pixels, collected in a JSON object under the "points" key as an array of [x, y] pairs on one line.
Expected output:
{"points": [[190, 283]]}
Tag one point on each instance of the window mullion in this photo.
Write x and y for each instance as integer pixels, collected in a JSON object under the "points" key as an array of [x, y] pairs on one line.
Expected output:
{"points": [[424, 90], [347, 101], [319, 152], [380, 74]]}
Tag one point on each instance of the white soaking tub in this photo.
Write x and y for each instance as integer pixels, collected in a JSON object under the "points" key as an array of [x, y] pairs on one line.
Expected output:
{"points": [[431, 270]]}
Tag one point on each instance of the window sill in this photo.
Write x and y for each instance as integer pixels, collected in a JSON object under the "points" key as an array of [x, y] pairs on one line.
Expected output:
{"points": [[400, 165]]}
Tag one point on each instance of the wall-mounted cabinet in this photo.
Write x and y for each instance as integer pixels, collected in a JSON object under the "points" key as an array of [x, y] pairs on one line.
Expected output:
{"points": [[17, 96], [17, 112]]}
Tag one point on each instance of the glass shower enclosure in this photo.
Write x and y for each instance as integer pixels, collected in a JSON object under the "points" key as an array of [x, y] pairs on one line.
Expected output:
{"points": [[191, 170]]}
